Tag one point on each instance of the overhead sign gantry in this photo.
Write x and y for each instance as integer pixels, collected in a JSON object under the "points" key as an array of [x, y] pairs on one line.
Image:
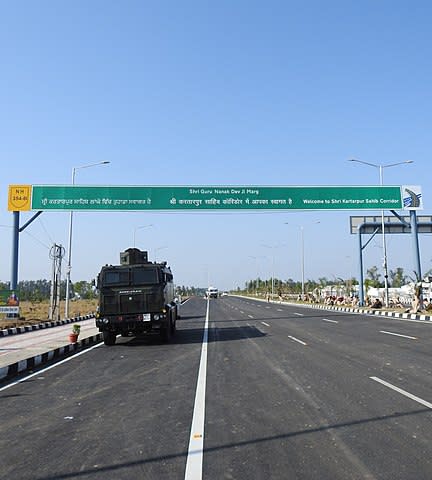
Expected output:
{"points": [[207, 198]]}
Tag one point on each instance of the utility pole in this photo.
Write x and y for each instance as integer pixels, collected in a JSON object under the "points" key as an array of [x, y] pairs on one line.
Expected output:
{"points": [[56, 255]]}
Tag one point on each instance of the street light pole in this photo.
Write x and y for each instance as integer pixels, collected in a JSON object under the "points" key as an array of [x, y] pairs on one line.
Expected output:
{"points": [[256, 267], [273, 269], [69, 264], [138, 228], [302, 258], [273, 264], [384, 244], [156, 250], [303, 261], [272, 278]]}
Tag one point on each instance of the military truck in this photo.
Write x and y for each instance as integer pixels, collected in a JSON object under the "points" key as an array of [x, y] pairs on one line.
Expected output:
{"points": [[136, 297]]}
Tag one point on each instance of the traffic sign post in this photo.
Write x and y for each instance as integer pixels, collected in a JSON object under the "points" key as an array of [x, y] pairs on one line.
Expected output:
{"points": [[392, 224], [401, 224]]}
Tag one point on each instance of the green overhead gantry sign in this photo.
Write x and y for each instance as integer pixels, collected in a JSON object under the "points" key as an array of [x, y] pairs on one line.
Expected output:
{"points": [[207, 198]]}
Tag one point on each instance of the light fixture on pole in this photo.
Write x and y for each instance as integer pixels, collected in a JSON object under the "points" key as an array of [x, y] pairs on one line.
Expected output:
{"points": [[381, 168], [69, 265], [138, 228]]}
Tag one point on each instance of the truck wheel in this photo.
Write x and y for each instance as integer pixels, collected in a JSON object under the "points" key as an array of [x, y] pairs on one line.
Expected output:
{"points": [[166, 333], [173, 324], [109, 338], [166, 330]]}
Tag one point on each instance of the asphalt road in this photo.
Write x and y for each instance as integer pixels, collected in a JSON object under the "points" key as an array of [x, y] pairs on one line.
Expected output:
{"points": [[246, 390]]}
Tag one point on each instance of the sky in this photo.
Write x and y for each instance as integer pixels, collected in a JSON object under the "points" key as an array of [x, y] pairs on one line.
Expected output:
{"points": [[213, 93]]}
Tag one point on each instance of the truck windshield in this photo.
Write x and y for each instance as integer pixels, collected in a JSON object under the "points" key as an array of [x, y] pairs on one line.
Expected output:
{"points": [[142, 276], [130, 277], [116, 277]]}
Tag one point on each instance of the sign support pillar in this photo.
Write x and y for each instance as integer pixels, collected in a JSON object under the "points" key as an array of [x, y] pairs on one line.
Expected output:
{"points": [[361, 284], [16, 230], [415, 243], [15, 247]]}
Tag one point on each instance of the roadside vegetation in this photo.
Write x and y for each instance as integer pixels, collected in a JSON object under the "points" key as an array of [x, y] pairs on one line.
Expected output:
{"points": [[34, 301], [33, 312], [373, 278]]}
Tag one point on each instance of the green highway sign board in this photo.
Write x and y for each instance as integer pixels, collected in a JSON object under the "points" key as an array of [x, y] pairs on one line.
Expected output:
{"points": [[207, 198]]}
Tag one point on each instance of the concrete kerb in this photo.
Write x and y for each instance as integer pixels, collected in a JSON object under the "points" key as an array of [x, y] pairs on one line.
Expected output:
{"points": [[10, 371], [341, 308], [364, 311], [31, 328]]}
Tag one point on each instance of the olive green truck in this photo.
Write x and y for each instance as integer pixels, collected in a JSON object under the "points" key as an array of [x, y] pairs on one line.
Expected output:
{"points": [[136, 297]]}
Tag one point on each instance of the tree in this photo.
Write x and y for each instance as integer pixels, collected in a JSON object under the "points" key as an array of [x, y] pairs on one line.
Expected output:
{"points": [[397, 278], [373, 278], [84, 289]]}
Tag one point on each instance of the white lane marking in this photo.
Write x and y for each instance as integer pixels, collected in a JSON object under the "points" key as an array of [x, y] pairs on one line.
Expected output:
{"points": [[279, 310], [299, 314], [267, 307], [250, 316], [39, 372], [266, 324], [297, 340], [328, 320], [398, 335], [241, 311], [194, 460], [403, 392]]}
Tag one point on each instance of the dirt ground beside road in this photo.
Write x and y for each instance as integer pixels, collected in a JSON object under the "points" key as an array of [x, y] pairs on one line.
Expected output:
{"points": [[37, 312]]}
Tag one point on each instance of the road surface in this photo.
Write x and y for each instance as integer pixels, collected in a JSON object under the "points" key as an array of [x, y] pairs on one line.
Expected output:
{"points": [[246, 390]]}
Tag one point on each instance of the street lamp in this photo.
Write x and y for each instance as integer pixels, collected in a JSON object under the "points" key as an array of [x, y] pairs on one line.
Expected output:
{"points": [[302, 258], [273, 264], [207, 274], [69, 266], [256, 266], [384, 246], [138, 228], [156, 250]]}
